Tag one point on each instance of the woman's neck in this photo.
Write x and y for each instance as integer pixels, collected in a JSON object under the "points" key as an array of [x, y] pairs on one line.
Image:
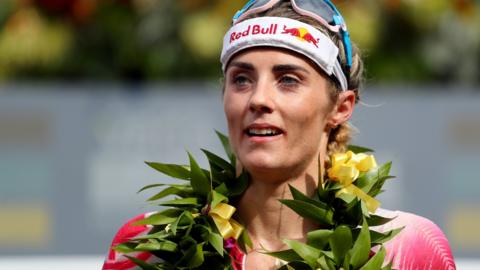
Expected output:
{"points": [[267, 220]]}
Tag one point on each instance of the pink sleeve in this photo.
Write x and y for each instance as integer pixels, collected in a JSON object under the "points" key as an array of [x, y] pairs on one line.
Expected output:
{"points": [[420, 246], [116, 260]]}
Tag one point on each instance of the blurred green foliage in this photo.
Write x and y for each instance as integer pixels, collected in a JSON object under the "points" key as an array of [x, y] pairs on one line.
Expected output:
{"points": [[404, 41]]}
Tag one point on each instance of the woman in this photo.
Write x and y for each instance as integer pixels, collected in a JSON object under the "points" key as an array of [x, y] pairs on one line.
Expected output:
{"points": [[291, 83]]}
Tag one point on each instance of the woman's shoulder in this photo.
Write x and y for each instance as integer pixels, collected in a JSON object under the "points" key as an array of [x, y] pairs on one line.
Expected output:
{"points": [[420, 245], [116, 260]]}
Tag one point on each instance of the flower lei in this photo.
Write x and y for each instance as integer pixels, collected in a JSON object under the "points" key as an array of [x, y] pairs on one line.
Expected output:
{"points": [[197, 230]]}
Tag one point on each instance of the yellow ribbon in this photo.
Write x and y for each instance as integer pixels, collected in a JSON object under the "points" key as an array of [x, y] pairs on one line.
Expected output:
{"points": [[346, 168], [228, 227]]}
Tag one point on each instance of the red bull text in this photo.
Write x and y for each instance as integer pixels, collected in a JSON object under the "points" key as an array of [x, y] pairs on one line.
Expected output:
{"points": [[255, 30]]}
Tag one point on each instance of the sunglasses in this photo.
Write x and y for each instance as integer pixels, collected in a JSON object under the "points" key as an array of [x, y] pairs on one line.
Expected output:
{"points": [[323, 11]]}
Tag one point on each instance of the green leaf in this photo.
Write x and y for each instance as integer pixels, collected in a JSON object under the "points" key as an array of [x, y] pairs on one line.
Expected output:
{"points": [[326, 263], [346, 197], [216, 240], [161, 218], [239, 185], [340, 242], [202, 232], [222, 189], [380, 238], [220, 176], [308, 253], [168, 191], [193, 201], [244, 240], [353, 215], [361, 247], [376, 220], [188, 251], [173, 170], [218, 161], [164, 245], [365, 211], [197, 258], [377, 188], [328, 254], [127, 247], [297, 195], [384, 170], [358, 149], [319, 238], [296, 265], [198, 180], [367, 180], [142, 264], [308, 210], [161, 235], [286, 255], [346, 262], [375, 263], [226, 147], [388, 266], [150, 186], [148, 246], [378, 184], [323, 193], [217, 198], [184, 219]]}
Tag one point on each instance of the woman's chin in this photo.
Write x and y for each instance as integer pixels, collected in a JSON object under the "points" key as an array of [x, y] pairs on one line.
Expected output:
{"points": [[262, 164], [261, 168]]}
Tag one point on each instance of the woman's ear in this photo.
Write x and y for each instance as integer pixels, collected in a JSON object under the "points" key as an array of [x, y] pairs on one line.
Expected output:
{"points": [[343, 109]]}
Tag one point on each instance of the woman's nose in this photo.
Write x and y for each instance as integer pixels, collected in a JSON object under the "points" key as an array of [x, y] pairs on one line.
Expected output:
{"points": [[262, 98]]}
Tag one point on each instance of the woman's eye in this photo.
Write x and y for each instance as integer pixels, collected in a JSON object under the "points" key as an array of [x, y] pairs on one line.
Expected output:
{"points": [[289, 80], [241, 80]]}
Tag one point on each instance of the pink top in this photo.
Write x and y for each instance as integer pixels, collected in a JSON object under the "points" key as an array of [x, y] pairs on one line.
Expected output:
{"points": [[421, 245]]}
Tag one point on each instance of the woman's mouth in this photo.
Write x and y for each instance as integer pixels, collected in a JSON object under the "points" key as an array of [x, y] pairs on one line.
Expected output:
{"points": [[263, 131]]}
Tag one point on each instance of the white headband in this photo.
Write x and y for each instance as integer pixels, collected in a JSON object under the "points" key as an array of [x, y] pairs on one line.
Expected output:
{"points": [[284, 33]]}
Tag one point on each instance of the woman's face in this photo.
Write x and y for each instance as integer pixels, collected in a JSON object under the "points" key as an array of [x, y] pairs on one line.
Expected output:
{"points": [[277, 107]]}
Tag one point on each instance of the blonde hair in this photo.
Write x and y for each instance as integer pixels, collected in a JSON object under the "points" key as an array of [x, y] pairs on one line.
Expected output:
{"points": [[339, 136]]}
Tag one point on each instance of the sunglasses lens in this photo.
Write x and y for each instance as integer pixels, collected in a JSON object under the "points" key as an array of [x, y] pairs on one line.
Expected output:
{"points": [[258, 3], [321, 8], [252, 4]]}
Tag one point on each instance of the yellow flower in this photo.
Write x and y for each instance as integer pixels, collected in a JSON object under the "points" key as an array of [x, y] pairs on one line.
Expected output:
{"points": [[228, 227], [346, 168]]}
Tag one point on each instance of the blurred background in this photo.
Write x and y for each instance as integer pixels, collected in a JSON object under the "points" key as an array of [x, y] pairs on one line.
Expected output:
{"points": [[90, 89]]}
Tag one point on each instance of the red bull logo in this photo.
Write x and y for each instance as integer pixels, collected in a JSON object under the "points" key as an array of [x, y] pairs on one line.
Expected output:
{"points": [[302, 34]]}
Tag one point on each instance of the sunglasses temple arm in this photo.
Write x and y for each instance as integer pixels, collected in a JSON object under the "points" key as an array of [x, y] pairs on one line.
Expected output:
{"points": [[348, 48], [241, 11], [332, 6], [338, 20]]}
